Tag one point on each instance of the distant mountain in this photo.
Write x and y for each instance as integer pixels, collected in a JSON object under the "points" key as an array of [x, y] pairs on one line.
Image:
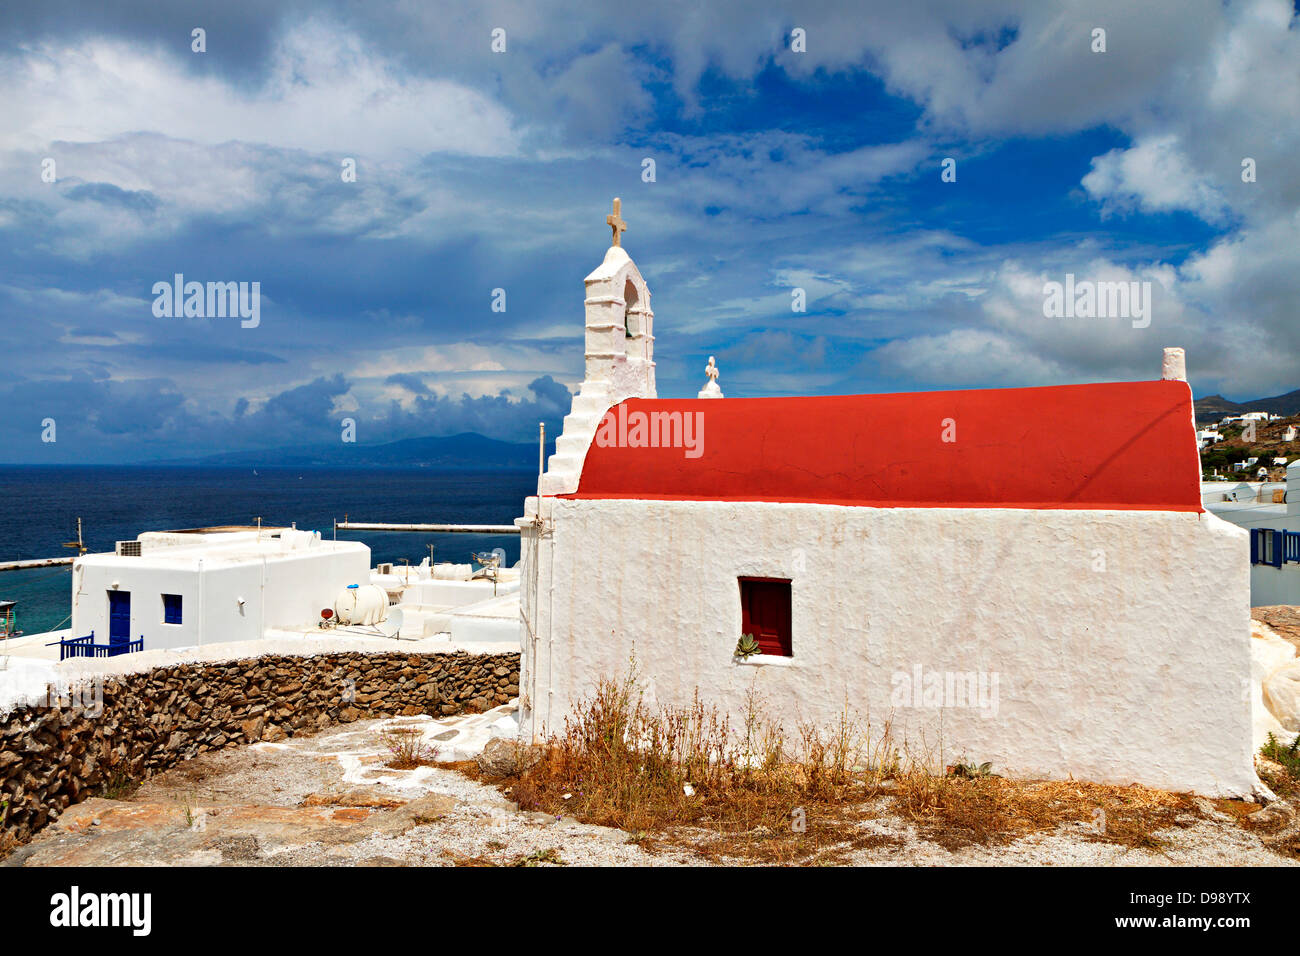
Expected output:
{"points": [[465, 452], [1214, 407]]}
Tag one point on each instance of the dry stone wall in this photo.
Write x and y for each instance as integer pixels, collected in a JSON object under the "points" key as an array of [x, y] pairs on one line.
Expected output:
{"points": [[98, 740]]}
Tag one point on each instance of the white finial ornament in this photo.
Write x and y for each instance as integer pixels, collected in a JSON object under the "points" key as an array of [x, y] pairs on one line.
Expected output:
{"points": [[711, 390]]}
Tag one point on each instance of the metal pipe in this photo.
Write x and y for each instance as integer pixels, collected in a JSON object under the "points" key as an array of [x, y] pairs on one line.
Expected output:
{"points": [[441, 528]]}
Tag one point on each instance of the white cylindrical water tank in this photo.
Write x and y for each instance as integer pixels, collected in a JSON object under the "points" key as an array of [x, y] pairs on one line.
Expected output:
{"points": [[361, 604]]}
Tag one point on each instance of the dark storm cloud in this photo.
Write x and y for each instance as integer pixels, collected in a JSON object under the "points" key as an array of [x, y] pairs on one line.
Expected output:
{"points": [[139, 201], [550, 394], [92, 417], [243, 30], [412, 383], [495, 415]]}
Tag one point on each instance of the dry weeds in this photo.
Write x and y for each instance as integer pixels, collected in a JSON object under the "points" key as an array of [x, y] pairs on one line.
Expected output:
{"points": [[407, 750], [958, 811], [684, 777]]}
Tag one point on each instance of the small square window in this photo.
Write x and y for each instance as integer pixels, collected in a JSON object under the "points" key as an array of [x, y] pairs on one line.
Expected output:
{"points": [[171, 608], [765, 613]]}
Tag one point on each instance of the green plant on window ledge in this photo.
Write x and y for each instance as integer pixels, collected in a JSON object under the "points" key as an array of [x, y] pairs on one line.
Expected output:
{"points": [[747, 646]]}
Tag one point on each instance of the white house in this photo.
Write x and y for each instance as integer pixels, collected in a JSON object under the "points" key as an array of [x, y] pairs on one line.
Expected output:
{"points": [[1023, 576], [1274, 529], [1289, 434], [210, 585]]}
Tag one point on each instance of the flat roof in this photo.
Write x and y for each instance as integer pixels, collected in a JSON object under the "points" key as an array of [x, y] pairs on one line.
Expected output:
{"points": [[219, 553], [221, 528], [1267, 508]]}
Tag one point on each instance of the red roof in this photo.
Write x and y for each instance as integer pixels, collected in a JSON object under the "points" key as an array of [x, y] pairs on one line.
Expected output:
{"points": [[1110, 446]]}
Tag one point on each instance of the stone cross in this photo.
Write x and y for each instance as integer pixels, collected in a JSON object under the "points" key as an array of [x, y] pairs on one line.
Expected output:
{"points": [[616, 222]]}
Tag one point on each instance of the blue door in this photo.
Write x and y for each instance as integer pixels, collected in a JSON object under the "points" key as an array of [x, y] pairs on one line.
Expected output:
{"points": [[119, 617]]}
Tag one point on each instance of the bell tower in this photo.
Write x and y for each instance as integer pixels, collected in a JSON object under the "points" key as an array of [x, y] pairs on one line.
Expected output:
{"points": [[619, 357]]}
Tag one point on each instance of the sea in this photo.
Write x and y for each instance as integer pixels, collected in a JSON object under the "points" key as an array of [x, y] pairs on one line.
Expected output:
{"points": [[41, 504]]}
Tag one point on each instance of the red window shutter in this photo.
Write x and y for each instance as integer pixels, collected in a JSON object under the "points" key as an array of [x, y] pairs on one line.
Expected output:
{"points": [[765, 613]]}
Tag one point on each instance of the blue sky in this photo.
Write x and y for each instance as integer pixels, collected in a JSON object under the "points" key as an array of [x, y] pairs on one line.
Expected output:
{"points": [[478, 170]]}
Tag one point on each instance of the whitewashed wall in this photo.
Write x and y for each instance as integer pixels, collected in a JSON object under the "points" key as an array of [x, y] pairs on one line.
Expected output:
{"points": [[1270, 585], [1120, 640]]}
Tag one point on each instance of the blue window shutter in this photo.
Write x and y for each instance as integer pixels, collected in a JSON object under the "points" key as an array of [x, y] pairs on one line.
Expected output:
{"points": [[1277, 549], [1254, 546]]}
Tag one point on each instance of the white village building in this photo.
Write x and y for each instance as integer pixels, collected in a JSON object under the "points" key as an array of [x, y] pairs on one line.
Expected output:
{"points": [[208, 585], [174, 589], [1023, 576], [1270, 513], [453, 601]]}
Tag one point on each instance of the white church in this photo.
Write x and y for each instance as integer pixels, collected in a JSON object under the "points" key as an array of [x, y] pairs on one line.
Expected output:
{"points": [[1023, 576]]}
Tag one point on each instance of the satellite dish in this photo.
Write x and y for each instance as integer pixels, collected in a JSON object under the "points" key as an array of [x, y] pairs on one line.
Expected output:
{"points": [[391, 626]]}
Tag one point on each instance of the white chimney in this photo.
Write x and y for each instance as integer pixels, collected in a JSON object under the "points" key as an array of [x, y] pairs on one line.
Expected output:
{"points": [[1174, 366]]}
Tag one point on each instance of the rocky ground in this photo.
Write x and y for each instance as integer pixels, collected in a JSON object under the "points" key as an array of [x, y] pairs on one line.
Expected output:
{"points": [[1282, 618], [330, 799], [327, 799]]}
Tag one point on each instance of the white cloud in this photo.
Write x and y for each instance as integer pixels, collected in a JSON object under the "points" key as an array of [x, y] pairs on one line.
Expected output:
{"points": [[969, 357], [1154, 175], [325, 92], [457, 357]]}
